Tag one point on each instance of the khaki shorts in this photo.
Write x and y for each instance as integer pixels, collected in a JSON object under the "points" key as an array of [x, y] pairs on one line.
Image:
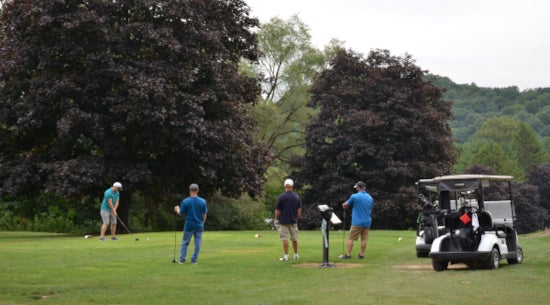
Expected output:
{"points": [[108, 217], [286, 231], [355, 232]]}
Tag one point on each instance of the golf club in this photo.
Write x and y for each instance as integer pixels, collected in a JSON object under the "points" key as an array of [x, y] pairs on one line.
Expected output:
{"points": [[344, 232], [176, 230], [125, 227]]}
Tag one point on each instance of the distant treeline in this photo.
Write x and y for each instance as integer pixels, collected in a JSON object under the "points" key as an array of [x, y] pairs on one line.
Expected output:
{"points": [[473, 105]]}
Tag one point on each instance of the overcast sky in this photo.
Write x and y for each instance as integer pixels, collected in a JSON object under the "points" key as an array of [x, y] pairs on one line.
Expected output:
{"points": [[493, 43]]}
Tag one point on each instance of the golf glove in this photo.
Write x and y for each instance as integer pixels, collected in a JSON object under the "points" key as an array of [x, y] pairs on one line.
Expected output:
{"points": [[276, 224]]}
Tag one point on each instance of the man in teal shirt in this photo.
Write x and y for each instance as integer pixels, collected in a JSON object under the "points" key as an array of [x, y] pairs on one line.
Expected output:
{"points": [[109, 205]]}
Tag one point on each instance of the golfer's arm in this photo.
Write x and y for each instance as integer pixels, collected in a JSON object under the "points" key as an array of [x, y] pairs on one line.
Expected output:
{"points": [[277, 214], [110, 201], [116, 204], [299, 213]]}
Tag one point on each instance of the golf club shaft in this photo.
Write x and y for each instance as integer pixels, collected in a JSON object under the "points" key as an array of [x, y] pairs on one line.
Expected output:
{"points": [[122, 223], [344, 233], [175, 231]]}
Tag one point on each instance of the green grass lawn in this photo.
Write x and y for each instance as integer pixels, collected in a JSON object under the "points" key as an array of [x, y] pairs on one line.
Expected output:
{"points": [[236, 268]]}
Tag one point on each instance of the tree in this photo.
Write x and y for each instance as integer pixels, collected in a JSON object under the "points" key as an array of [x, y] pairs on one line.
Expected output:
{"points": [[493, 156], [530, 214], [287, 67], [539, 176], [527, 149], [379, 122], [145, 92], [506, 145]]}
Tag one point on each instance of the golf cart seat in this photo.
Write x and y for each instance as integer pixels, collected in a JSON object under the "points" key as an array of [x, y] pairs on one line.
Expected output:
{"points": [[486, 221]]}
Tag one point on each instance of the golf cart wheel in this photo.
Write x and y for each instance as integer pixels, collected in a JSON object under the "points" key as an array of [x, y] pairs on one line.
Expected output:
{"points": [[519, 257], [439, 265], [493, 262]]}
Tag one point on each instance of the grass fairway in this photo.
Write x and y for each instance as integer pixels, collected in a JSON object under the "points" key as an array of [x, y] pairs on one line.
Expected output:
{"points": [[236, 268]]}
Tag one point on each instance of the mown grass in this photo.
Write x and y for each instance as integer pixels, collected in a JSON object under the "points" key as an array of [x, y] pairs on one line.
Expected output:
{"points": [[236, 268]]}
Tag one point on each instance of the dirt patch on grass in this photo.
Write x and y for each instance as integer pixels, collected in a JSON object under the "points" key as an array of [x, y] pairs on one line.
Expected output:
{"points": [[332, 265], [414, 268], [545, 233], [425, 268]]}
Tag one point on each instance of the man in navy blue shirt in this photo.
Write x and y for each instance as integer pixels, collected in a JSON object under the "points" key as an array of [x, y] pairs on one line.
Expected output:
{"points": [[361, 208], [287, 213]]}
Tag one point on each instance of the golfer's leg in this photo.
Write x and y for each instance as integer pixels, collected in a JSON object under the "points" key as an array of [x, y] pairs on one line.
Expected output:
{"points": [[184, 244], [285, 246], [295, 246], [113, 230], [103, 229], [294, 237], [363, 247], [198, 242], [350, 247], [105, 220]]}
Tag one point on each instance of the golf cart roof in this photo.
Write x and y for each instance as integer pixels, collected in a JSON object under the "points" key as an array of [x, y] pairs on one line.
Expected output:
{"points": [[467, 182], [427, 184], [471, 177]]}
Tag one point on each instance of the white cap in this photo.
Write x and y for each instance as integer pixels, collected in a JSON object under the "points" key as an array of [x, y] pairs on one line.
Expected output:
{"points": [[117, 185], [289, 182]]}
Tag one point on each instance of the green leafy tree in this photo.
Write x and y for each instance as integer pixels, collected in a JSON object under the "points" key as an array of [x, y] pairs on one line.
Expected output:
{"points": [[493, 156], [539, 176], [287, 67], [530, 213], [504, 144], [379, 122], [145, 92], [527, 149]]}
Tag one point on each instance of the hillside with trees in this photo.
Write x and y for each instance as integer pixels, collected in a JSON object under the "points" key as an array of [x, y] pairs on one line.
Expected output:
{"points": [[473, 105]]}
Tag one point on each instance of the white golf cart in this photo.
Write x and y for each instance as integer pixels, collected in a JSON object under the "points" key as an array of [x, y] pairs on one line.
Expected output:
{"points": [[479, 222], [430, 221]]}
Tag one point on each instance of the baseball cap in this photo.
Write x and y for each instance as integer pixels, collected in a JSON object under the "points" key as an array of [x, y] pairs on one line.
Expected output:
{"points": [[117, 185], [360, 184], [289, 182]]}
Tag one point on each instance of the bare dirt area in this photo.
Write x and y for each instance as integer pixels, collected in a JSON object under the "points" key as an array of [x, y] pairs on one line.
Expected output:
{"points": [[425, 268], [545, 233], [332, 265]]}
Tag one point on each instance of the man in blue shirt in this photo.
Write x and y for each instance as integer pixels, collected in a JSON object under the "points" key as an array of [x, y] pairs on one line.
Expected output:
{"points": [[361, 208], [109, 205], [194, 208]]}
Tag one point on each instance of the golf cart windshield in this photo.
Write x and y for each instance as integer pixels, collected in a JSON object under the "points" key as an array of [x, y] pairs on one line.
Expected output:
{"points": [[468, 191]]}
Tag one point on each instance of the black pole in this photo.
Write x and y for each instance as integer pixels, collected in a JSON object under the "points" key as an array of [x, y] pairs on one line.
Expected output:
{"points": [[325, 228], [175, 231]]}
